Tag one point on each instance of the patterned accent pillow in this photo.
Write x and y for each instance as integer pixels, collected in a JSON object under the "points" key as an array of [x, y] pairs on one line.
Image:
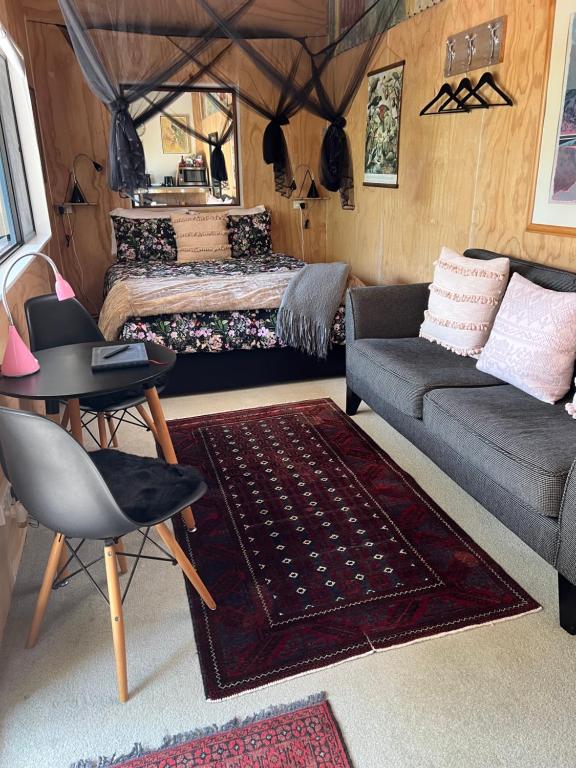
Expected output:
{"points": [[464, 298], [201, 236], [144, 239], [533, 342], [250, 235]]}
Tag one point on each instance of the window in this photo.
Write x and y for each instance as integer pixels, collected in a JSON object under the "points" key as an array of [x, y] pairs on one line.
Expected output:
{"points": [[16, 220], [24, 218]]}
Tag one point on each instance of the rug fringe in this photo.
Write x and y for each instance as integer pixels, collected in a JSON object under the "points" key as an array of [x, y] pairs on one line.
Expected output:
{"points": [[209, 730]]}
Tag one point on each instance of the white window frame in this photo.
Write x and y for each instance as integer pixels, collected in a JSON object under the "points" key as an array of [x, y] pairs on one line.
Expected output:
{"points": [[30, 154]]}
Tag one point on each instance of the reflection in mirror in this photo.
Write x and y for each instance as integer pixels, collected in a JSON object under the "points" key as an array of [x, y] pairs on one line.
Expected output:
{"points": [[190, 147]]}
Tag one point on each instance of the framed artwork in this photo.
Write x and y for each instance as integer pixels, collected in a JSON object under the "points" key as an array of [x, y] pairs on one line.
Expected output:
{"points": [[175, 140], [383, 126], [554, 208]]}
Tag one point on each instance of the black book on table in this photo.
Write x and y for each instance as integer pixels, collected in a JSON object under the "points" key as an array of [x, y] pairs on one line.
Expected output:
{"points": [[119, 356]]}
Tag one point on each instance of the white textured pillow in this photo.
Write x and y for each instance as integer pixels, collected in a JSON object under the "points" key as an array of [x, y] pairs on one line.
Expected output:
{"points": [[464, 299], [201, 236], [533, 342]]}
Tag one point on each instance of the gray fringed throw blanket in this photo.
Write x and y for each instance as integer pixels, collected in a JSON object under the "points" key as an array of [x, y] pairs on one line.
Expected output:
{"points": [[309, 305]]}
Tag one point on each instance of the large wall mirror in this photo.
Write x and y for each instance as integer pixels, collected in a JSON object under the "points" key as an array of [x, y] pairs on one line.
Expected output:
{"points": [[191, 148]]}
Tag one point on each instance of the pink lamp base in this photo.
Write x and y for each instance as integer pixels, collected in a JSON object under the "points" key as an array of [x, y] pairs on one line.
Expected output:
{"points": [[18, 360]]}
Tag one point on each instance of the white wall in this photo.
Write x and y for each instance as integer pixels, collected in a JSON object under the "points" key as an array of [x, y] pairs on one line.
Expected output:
{"points": [[159, 164]]}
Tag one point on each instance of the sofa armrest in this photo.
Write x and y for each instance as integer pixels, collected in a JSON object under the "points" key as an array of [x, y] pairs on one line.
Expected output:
{"points": [[566, 550], [385, 311]]}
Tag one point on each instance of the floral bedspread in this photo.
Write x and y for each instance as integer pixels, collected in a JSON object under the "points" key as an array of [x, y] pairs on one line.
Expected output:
{"points": [[211, 331]]}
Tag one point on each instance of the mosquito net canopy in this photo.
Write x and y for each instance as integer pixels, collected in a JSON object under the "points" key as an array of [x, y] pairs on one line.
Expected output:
{"points": [[279, 56]]}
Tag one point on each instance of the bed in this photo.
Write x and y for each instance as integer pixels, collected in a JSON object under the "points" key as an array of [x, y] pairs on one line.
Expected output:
{"points": [[218, 315]]}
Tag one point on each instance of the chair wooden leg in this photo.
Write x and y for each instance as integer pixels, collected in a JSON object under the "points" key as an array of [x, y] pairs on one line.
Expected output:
{"points": [[122, 563], [117, 620], [145, 416], [65, 417], [45, 589], [189, 570], [62, 560], [165, 442], [112, 431], [75, 419], [102, 436]]}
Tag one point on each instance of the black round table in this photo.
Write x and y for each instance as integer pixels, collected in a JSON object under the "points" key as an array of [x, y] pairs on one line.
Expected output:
{"points": [[66, 375]]}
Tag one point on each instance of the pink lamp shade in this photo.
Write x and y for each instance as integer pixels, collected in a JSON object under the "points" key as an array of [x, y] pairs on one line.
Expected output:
{"points": [[63, 288], [18, 360]]}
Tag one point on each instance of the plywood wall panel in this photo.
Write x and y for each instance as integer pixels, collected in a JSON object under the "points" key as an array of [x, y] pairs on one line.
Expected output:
{"points": [[464, 180], [72, 121]]}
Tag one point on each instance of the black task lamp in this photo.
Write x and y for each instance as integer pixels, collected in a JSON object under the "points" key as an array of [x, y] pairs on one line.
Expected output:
{"points": [[74, 192]]}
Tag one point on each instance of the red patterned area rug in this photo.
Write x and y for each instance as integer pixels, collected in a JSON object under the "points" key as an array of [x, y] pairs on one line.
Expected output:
{"points": [[318, 548], [301, 735]]}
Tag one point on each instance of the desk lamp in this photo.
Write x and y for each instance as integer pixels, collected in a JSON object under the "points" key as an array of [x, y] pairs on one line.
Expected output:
{"points": [[18, 360]]}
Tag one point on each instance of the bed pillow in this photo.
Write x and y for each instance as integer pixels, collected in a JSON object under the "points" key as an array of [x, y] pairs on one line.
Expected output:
{"points": [[533, 342], [201, 236], [143, 239], [249, 234], [464, 298]]}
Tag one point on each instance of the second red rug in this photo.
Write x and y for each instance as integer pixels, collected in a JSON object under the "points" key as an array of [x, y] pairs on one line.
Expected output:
{"points": [[318, 548]]}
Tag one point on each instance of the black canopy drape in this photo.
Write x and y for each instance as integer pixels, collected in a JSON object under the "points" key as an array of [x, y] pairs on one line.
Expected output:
{"points": [[310, 56], [123, 59]]}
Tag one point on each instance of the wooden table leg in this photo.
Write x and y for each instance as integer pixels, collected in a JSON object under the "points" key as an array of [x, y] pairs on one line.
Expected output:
{"points": [[75, 420], [165, 442]]}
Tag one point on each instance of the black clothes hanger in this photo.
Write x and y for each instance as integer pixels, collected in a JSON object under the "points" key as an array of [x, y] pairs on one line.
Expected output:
{"points": [[487, 79], [466, 86], [445, 90]]}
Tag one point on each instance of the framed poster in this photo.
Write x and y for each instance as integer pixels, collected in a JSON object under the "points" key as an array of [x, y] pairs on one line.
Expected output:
{"points": [[383, 126], [554, 208], [175, 140]]}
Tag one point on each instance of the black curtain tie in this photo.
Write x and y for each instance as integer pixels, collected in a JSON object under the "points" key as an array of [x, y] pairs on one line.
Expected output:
{"points": [[273, 142], [275, 152], [334, 158]]}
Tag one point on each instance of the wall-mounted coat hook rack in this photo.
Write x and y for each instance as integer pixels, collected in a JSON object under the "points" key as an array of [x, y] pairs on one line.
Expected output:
{"points": [[475, 48]]}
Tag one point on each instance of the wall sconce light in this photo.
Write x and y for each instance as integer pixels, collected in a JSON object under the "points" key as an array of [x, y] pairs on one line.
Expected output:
{"points": [[74, 192], [312, 189]]}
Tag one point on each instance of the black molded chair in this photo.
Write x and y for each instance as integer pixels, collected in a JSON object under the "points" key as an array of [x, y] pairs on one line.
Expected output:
{"points": [[54, 323], [103, 495]]}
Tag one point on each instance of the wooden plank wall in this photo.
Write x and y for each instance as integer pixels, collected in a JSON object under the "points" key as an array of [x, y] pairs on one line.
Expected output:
{"points": [[34, 281], [72, 120], [464, 180]]}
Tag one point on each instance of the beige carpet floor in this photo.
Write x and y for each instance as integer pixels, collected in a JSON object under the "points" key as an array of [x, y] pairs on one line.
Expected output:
{"points": [[501, 695]]}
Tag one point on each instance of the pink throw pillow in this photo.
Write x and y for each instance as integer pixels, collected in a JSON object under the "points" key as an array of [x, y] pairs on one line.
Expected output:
{"points": [[464, 298], [533, 341]]}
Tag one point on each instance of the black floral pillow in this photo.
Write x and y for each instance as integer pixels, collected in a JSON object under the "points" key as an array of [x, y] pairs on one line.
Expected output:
{"points": [[249, 235], [144, 239]]}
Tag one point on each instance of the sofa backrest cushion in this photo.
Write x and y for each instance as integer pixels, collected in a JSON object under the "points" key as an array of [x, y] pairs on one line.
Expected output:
{"points": [[546, 277]]}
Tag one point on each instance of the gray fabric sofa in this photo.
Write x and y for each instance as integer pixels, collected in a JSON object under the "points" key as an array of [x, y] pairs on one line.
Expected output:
{"points": [[513, 453]]}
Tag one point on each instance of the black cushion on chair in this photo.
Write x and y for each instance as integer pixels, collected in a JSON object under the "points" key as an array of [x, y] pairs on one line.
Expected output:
{"points": [[148, 489]]}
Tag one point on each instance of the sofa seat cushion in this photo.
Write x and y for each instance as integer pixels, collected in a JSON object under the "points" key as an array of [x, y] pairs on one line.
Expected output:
{"points": [[524, 445], [401, 371]]}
